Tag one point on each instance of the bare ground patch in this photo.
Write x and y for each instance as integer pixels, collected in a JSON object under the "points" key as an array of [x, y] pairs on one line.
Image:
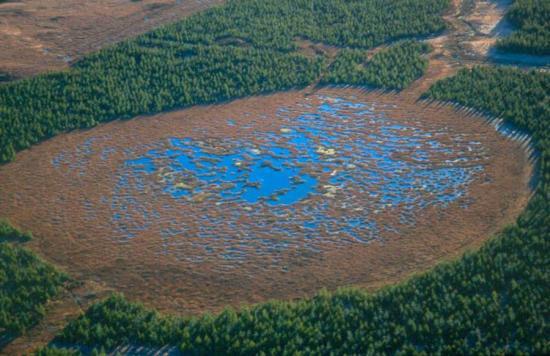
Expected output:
{"points": [[476, 26]]}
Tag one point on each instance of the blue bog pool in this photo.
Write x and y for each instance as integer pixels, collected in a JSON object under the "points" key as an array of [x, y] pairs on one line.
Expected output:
{"points": [[330, 168], [323, 171]]}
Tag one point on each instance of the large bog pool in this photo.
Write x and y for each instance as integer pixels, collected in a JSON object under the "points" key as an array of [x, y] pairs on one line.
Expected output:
{"points": [[267, 197], [329, 170]]}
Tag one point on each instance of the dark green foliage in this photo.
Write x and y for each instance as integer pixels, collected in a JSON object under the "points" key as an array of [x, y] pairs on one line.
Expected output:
{"points": [[134, 80], [393, 68], [532, 19], [53, 351], [26, 284], [348, 67], [493, 301], [276, 24], [9, 233], [522, 98], [243, 48], [5, 77], [115, 321]]}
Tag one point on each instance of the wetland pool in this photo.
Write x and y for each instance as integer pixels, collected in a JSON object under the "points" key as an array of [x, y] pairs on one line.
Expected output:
{"points": [[280, 195], [330, 169]]}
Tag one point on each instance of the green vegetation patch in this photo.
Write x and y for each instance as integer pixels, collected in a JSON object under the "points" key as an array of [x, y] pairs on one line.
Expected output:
{"points": [[115, 321], [393, 68], [276, 24], [532, 19], [5, 77], [54, 351], [519, 97], [8, 233], [243, 48], [26, 284], [492, 301]]}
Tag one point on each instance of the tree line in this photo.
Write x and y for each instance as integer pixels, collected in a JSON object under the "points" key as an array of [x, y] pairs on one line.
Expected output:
{"points": [[276, 24], [245, 47], [5, 77], [393, 68], [8, 233], [532, 21], [492, 301], [123, 84], [26, 283]]}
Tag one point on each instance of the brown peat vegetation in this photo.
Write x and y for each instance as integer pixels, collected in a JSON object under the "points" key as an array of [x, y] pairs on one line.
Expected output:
{"points": [[286, 177]]}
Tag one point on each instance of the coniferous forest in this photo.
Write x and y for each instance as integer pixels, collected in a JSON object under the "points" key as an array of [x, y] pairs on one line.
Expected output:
{"points": [[243, 48], [393, 68], [8, 233], [26, 283], [491, 301], [532, 21]]}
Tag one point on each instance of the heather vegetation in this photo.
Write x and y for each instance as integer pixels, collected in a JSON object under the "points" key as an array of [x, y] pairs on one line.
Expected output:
{"points": [[490, 301], [243, 48], [532, 21]]}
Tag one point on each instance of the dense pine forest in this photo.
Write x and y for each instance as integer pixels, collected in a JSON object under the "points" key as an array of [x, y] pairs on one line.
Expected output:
{"points": [[48, 351], [243, 48], [8, 233], [393, 68], [532, 21], [493, 301], [4, 77], [26, 284]]}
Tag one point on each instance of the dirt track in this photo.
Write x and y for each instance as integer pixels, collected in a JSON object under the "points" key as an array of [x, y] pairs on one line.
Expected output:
{"points": [[475, 27]]}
